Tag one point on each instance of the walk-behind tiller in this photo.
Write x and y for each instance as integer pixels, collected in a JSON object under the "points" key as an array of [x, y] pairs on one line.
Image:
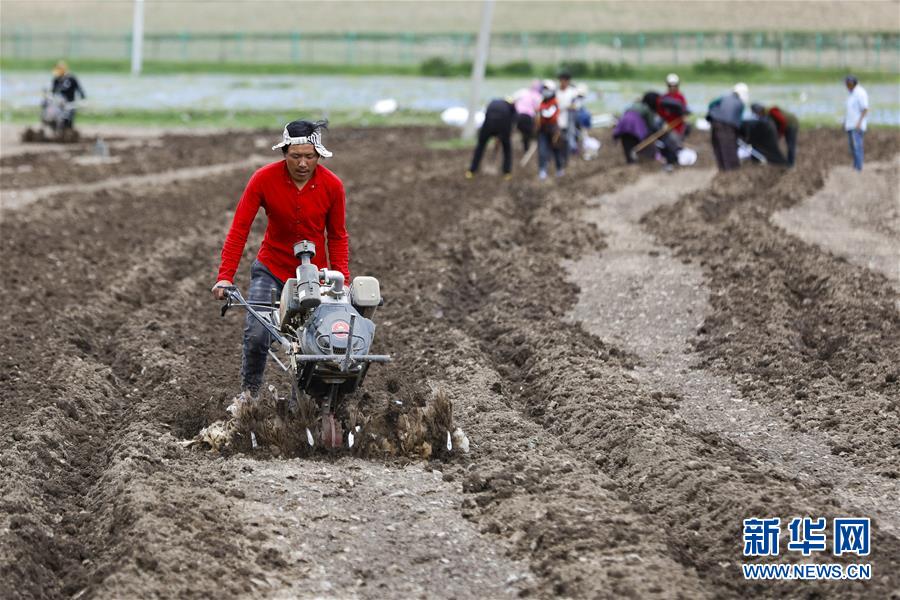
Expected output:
{"points": [[326, 330], [57, 115]]}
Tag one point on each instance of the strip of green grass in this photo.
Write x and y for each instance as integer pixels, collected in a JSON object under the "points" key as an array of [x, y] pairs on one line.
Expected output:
{"points": [[706, 72], [221, 119], [230, 119]]}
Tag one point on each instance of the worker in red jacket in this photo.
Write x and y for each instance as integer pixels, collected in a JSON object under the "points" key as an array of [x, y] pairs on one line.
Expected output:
{"points": [[786, 124], [303, 200], [673, 108], [550, 140]]}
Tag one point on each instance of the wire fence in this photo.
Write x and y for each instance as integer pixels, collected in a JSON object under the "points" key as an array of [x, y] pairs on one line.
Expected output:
{"points": [[864, 51]]}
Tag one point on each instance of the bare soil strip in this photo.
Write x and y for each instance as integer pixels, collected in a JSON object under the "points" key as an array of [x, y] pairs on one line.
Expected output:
{"points": [[636, 294], [696, 487], [799, 330], [18, 199], [854, 215]]}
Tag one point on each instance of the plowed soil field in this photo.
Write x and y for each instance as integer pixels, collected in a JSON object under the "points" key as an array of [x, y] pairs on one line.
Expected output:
{"points": [[640, 360]]}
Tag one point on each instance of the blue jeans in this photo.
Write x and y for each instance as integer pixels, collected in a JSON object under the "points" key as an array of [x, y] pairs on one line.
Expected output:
{"points": [[546, 149], [256, 339], [855, 137]]}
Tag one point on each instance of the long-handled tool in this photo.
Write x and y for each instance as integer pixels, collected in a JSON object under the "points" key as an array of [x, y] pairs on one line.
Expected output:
{"points": [[554, 141], [669, 126], [753, 151], [525, 159]]}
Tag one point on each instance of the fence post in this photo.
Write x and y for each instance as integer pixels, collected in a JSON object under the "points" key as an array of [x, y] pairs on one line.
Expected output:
{"points": [[819, 51], [18, 42], [779, 50], [523, 44], [787, 49], [641, 41], [729, 43], [758, 42], [699, 47], [844, 49], [406, 47], [877, 52], [295, 46], [675, 47], [349, 41], [185, 39], [896, 60]]}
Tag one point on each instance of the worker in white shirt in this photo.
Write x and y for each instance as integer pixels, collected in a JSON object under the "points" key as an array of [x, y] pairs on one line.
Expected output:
{"points": [[566, 96], [855, 120]]}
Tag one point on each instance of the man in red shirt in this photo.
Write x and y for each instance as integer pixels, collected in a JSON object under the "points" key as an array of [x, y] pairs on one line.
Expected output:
{"points": [[549, 142], [303, 200], [672, 107]]}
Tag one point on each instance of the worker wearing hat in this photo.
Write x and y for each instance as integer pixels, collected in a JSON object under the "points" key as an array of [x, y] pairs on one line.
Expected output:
{"points": [[303, 200], [855, 120], [65, 84], [786, 124], [673, 107], [725, 113], [550, 140]]}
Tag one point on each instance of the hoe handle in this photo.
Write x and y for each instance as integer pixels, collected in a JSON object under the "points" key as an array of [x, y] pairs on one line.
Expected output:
{"points": [[661, 132]]}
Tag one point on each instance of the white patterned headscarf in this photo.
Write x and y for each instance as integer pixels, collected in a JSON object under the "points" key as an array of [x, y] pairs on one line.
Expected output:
{"points": [[315, 138]]}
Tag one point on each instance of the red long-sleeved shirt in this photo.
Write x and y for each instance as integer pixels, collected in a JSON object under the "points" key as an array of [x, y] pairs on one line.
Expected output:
{"points": [[294, 215], [671, 117]]}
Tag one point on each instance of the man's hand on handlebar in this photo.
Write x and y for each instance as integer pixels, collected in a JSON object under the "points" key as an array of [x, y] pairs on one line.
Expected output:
{"points": [[218, 290]]}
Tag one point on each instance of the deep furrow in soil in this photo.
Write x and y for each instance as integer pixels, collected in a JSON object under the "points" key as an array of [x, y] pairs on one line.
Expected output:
{"points": [[637, 294], [80, 164], [119, 381], [71, 251], [78, 460], [571, 522], [806, 333], [67, 397], [577, 470], [696, 487]]}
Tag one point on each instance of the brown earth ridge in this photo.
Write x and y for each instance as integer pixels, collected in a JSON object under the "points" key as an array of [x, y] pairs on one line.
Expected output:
{"points": [[582, 480]]}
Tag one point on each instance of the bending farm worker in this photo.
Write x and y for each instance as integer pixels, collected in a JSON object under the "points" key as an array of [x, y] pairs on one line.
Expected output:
{"points": [[498, 122], [673, 108], [642, 131], [786, 124], [725, 116], [763, 138], [527, 102], [635, 124], [303, 200]]}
